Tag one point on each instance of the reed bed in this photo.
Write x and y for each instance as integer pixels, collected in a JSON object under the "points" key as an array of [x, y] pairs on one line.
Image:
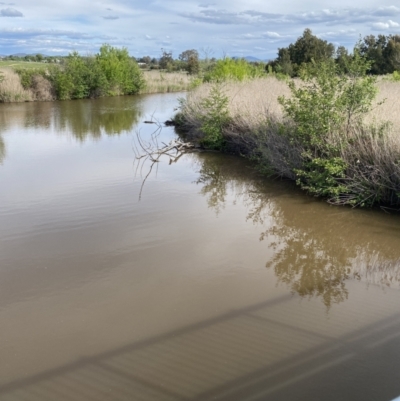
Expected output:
{"points": [[371, 149], [164, 82], [11, 89]]}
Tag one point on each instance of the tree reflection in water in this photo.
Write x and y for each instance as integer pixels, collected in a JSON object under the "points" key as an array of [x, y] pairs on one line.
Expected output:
{"points": [[317, 248], [84, 119], [2, 150]]}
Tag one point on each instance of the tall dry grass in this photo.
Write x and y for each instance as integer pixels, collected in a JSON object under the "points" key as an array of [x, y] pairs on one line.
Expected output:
{"points": [[164, 82], [11, 89], [371, 150]]}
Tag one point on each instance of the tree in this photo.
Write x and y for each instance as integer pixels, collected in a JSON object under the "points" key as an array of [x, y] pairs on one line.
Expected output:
{"points": [[343, 58], [306, 49], [187, 54], [193, 65], [145, 59], [166, 61], [284, 64], [190, 61], [392, 53], [373, 49]]}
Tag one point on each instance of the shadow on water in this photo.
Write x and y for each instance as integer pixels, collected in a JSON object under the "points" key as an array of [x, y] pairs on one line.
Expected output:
{"points": [[248, 354], [317, 248]]}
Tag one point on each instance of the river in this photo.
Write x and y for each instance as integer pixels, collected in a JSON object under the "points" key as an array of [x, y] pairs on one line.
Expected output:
{"points": [[205, 282]]}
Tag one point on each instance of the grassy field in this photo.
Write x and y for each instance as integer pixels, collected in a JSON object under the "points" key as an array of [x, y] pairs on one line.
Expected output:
{"points": [[22, 64]]}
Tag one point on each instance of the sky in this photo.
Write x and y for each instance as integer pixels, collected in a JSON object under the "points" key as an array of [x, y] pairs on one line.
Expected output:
{"points": [[214, 28]]}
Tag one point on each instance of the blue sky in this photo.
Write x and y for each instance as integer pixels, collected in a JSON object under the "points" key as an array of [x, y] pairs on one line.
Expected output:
{"points": [[220, 27]]}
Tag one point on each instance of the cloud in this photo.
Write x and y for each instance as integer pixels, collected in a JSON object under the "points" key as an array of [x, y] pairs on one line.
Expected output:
{"points": [[271, 35], [20, 33], [206, 5], [10, 12], [385, 25], [324, 16], [387, 11], [111, 17]]}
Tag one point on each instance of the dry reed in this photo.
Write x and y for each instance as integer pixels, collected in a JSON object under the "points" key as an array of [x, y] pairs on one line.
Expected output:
{"points": [[11, 89], [371, 153], [163, 82]]}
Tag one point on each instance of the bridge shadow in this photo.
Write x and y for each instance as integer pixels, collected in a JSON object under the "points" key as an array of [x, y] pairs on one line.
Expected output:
{"points": [[273, 350]]}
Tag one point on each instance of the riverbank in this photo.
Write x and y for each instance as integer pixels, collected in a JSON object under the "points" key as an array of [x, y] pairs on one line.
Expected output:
{"points": [[363, 171], [41, 89]]}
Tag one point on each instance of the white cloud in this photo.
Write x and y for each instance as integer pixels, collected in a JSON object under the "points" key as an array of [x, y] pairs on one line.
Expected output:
{"points": [[385, 25], [272, 35]]}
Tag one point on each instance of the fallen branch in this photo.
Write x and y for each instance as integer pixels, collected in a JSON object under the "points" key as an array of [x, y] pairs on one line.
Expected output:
{"points": [[153, 151]]}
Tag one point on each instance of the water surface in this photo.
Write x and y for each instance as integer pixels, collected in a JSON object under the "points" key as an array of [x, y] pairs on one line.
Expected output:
{"points": [[216, 285]]}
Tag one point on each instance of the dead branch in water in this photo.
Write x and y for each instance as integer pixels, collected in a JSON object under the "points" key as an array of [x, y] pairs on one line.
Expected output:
{"points": [[153, 150]]}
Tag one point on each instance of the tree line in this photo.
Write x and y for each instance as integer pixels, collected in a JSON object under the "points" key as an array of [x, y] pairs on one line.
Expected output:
{"points": [[383, 53]]}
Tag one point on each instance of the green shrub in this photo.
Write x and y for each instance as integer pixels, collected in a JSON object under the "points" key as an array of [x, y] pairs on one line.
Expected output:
{"points": [[110, 72], [26, 75], [324, 107], [122, 73], [234, 69], [396, 76], [215, 116]]}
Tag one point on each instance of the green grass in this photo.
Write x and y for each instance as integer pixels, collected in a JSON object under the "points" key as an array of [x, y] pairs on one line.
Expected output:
{"points": [[22, 64]]}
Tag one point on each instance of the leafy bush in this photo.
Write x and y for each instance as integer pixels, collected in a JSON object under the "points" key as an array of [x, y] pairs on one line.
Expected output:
{"points": [[26, 75], [110, 72], [122, 73], [396, 76], [214, 117], [324, 107], [235, 69]]}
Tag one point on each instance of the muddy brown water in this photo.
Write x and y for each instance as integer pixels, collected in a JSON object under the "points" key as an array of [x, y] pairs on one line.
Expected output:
{"points": [[217, 285]]}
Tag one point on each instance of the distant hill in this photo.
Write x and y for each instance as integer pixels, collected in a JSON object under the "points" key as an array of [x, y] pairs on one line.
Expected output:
{"points": [[19, 54], [250, 58]]}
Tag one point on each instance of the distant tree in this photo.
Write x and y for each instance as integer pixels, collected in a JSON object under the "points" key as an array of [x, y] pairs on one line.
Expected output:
{"points": [[39, 57], [307, 47], [166, 61], [193, 66], [187, 54], [383, 52], [343, 59], [145, 59], [372, 48], [392, 53], [190, 61], [284, 63]]}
